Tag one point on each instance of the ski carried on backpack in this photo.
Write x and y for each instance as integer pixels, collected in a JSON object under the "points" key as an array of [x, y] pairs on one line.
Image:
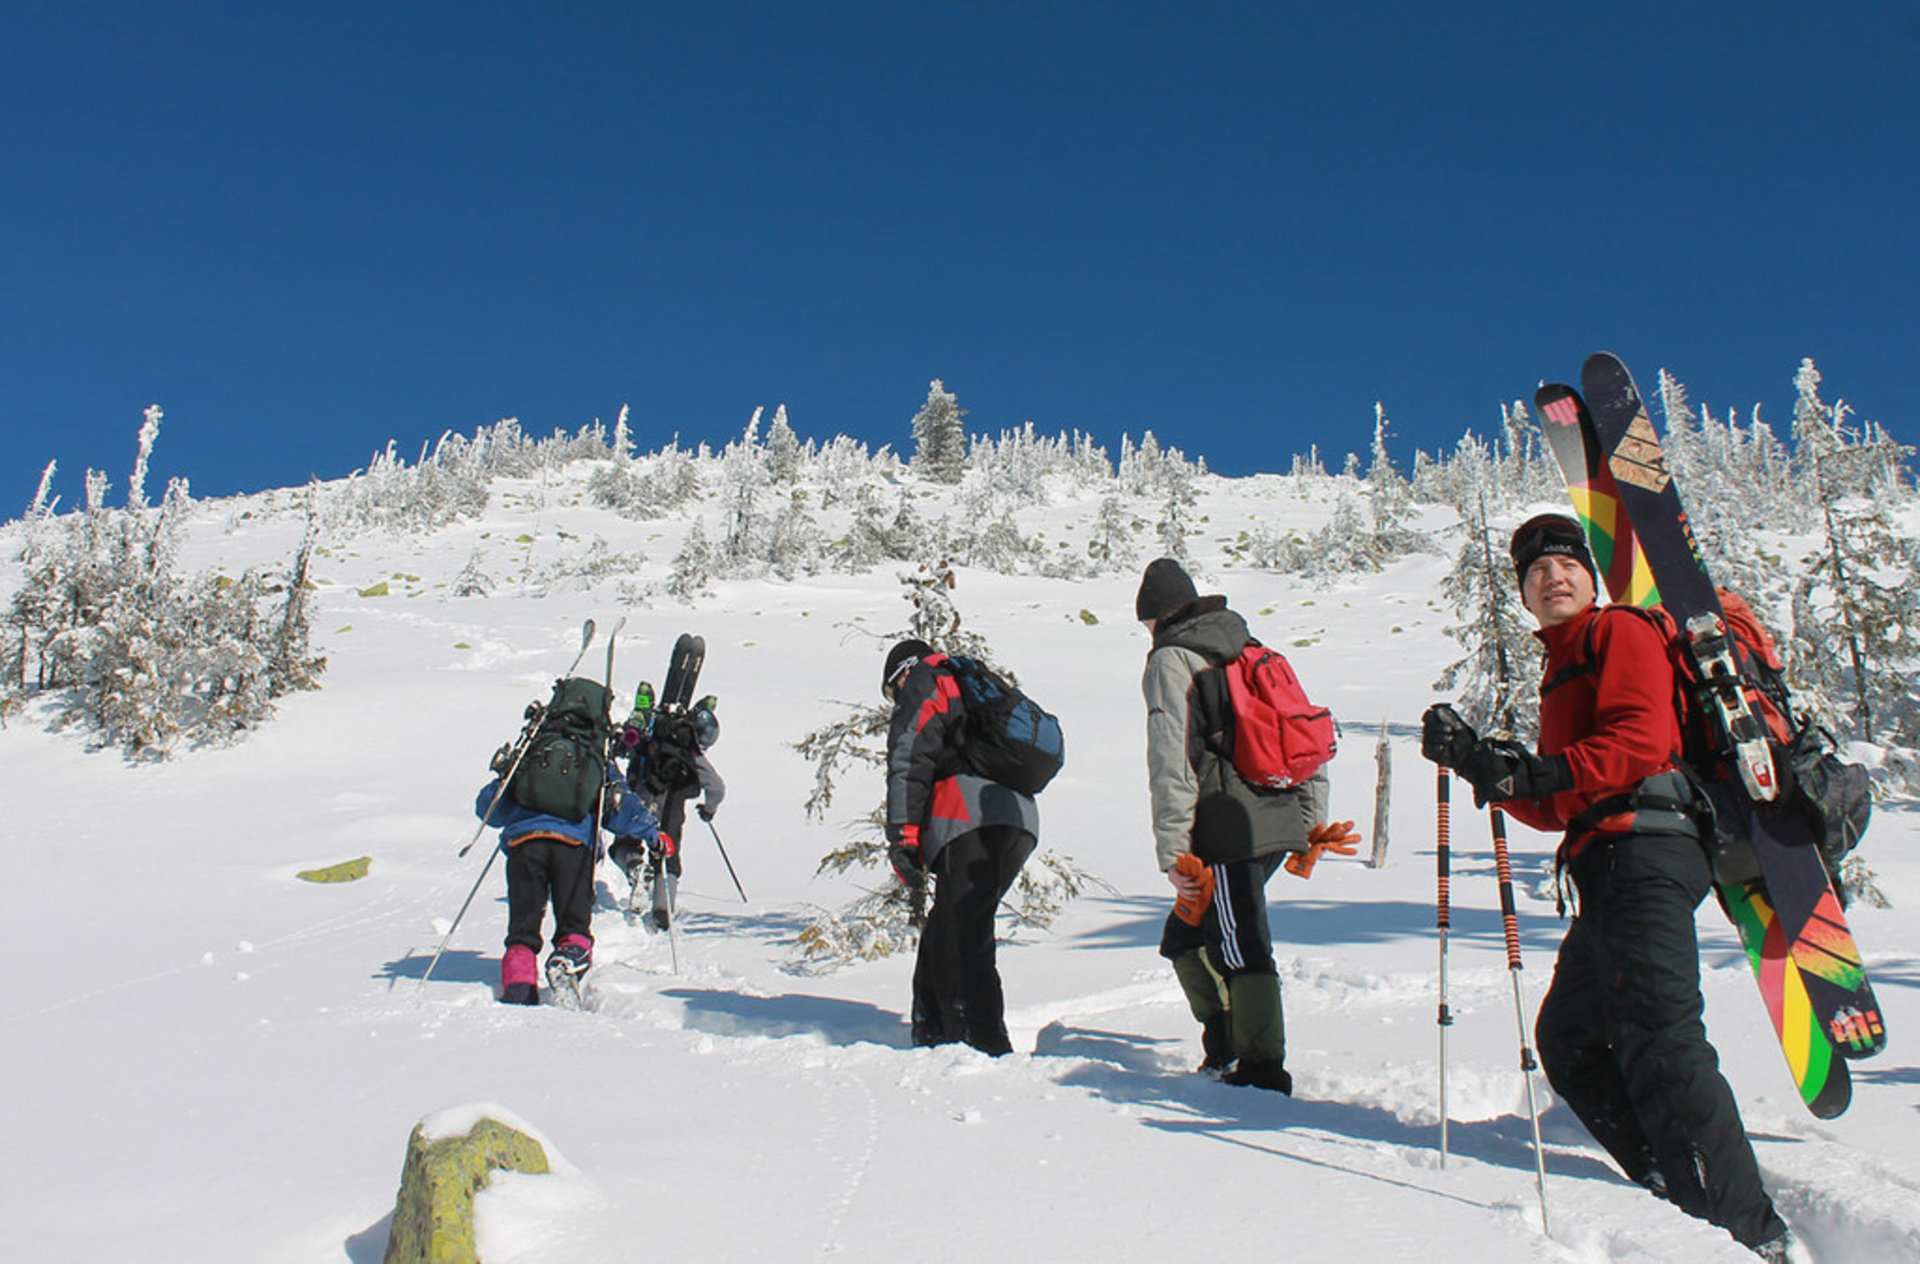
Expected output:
{"points": [[1818, 1072], [1781, 900], [1596, 497], [683, 672]]}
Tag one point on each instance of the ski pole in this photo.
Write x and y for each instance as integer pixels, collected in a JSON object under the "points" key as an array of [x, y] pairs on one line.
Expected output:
{"points": [[723, 855], [1443, 851], [1510, 925], [448, 938]]}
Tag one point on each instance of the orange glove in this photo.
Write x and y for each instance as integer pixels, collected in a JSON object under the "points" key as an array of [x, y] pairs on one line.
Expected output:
{"points": [[1190, 909], [1335, 836]]}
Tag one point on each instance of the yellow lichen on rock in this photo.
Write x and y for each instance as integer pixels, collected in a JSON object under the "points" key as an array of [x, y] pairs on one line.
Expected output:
{"points": [[433, 1216]]}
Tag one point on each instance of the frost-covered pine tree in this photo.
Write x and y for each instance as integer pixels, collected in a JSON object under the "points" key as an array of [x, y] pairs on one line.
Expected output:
{"points": [[784, 454], [692, 574], [1389, 497], [1857, 623], [940, 436], [1495, 683], [44, 501], [622, 445], [149, 431], [1110, 542]]}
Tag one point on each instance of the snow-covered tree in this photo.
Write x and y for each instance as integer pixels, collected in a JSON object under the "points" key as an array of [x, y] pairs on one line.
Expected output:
{"points": [[692, 575], [1496, 683], [149, 431], [622, 445], [784, 453], [1857, 623], [940, 436]]}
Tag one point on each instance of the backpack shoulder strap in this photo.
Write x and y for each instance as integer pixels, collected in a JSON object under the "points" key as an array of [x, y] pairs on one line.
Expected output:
{"points": [[1588, 661]]}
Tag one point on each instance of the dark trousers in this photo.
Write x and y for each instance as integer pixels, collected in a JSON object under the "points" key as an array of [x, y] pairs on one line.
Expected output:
{"points": [[543, 870], [1622, 1041], [956, 982], [1234, 931]]}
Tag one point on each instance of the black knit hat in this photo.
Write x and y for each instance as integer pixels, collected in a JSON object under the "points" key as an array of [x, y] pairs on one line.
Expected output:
{"points": [[1163, 589], [899, 656], [1549, 533]]}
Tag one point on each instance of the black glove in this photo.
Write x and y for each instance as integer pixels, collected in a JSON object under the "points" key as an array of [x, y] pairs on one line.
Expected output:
{"points": [[1499, 770], [909, 862], [704, 812], [909, 865], [1445, 738]]}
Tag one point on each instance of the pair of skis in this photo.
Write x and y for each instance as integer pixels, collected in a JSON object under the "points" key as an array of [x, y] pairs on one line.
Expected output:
{"points": [[689, 654], [1789, 918]]}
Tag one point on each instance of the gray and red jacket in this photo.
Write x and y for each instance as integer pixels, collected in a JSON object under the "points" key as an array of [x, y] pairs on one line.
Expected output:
{"points": [[927, 797]]}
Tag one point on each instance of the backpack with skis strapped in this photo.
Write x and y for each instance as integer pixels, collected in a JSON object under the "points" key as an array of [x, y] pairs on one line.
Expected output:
{"points": [[1275, 736], [1834, 798], [565, 762], [1010, 738]]}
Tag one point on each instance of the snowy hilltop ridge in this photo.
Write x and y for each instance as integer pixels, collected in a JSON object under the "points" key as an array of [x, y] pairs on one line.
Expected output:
{"points": [[227, 1061]]}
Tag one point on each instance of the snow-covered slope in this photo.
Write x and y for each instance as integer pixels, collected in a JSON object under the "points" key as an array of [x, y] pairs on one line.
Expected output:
{"points": [[210, 1060]]}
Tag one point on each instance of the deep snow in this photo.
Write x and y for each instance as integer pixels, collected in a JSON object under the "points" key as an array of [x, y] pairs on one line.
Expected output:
{"points": [[210, 1060]]}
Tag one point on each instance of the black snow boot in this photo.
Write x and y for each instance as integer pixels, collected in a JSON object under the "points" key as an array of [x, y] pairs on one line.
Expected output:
{"points": [[1256, 1073]]}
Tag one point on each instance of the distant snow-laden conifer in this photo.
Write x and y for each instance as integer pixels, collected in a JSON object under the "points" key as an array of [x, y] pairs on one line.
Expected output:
{"points": [[785, 456], [44, 501], [149, 431], [1495, 686], [692, 575], [622, 446], [940, 436]]}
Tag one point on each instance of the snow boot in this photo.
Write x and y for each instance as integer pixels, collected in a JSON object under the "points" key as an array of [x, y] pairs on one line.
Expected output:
{"points": [[571, 958], [1260, 1073], [519, 976], [635, 867]]}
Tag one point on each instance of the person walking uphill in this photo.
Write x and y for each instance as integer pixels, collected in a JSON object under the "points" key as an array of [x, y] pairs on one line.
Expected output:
{"points": [[1620, 1031], [971, 834], [1211, 828], [550, 860]]}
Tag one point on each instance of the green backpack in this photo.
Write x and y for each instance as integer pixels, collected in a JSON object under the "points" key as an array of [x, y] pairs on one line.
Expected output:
{"points": [[566, 761]]}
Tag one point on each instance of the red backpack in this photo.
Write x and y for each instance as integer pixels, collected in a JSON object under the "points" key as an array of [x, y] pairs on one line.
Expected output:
{"points": [[1279, 737]]}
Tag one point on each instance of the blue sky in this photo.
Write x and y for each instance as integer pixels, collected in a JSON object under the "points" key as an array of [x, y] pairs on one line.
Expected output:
{"points": [[306, 229]]}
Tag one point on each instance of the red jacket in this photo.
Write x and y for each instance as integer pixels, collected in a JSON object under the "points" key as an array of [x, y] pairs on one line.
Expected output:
{"points": [[1612, 714]]}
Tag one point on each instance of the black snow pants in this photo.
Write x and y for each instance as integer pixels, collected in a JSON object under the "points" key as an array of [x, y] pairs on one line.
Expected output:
{"points": [[956, 982], [543, 870], [1623, 1043]]}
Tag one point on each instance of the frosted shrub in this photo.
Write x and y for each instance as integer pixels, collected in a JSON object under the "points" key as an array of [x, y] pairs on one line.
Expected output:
{"points": [[145, 657]]}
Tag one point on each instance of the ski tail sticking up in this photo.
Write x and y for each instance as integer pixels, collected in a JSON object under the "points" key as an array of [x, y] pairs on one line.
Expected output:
{"points": [[683, 672], [1770, 876], [1596, 498]]}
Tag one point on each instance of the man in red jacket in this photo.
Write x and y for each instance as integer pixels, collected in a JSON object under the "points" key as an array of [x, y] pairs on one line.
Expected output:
{"points": [[1619, 1031]]}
